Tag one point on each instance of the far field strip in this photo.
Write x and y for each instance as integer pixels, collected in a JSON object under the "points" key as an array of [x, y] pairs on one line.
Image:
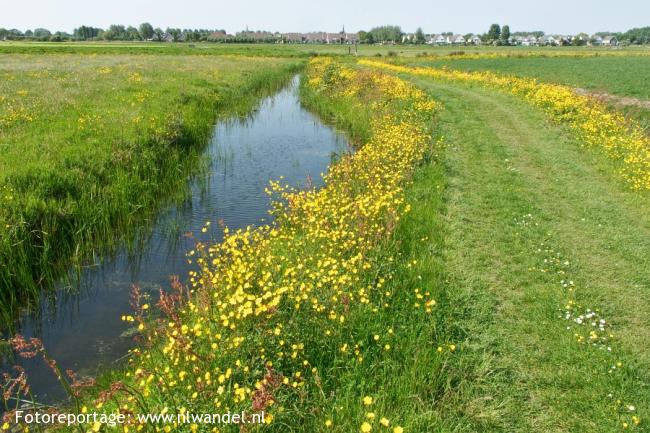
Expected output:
{"points": [[621, 75], [620, 101], [520, 191], [619, 80]]}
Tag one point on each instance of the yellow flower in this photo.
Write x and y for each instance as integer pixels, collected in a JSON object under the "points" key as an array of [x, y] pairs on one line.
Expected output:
{"points": [[313, 260], [384, 421], [398, 429], [366, 427]]}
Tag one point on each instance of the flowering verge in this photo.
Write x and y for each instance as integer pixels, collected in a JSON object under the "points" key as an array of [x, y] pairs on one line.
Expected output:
{"points": [[623, 140], [274, 313]]}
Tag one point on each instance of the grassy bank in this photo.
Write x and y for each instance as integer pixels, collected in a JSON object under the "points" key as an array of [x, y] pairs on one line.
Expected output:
{"points": [[292, 318], [536, 257], [496, 235], [91, 145]]}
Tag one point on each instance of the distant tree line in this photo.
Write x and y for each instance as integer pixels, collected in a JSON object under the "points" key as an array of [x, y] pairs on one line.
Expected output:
{"points": [[496, 35], [382, 34], [636, 36], [115, 32]]}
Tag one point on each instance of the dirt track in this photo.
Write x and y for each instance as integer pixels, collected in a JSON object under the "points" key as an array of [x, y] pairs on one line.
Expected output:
{"points": [[622, 101]]}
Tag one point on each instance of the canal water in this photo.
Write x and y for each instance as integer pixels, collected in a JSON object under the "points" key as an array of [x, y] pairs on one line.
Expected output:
{"points": [[83, 330]]}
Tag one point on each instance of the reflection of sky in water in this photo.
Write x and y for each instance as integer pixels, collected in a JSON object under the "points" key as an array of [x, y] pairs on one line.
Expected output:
{"points": [[83, 331]]}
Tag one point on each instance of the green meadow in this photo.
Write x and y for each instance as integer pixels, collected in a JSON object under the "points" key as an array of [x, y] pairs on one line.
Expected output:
{"points": [[621, 76], [471, 266], [92, 144]]}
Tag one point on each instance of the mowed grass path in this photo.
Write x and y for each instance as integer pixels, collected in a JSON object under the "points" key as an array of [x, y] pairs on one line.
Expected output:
{"points": [[519, 367]]}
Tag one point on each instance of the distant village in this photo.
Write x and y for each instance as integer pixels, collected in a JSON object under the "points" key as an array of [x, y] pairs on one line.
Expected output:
{"points": [[385, 35], [527, 41], [406, 38]]}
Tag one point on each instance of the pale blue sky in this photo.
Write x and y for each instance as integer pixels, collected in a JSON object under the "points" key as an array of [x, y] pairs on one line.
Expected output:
{"points": [[551, 16]]}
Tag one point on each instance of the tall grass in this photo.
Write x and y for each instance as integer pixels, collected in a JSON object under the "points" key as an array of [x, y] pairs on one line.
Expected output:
{"points": [[95, 144]]}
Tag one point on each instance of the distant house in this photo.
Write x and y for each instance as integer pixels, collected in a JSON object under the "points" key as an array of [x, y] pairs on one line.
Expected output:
{"points": [[596, 40], [351, 38], [610, 41], [218, 36], [474, 39], [333, 38], [295, 38], [315, 38], [458, 39], [408, 37], [440, 40], [167, 37], [549, 40], [529, 41]]}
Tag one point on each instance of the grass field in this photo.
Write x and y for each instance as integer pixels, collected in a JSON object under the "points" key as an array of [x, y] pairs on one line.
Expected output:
{"points": [[621, 76], [616, 75], [479, 264], [91, 143], [305, 50]]}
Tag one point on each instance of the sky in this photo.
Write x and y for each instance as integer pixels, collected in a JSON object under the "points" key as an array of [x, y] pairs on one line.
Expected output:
{"points": [[434, 16]]}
